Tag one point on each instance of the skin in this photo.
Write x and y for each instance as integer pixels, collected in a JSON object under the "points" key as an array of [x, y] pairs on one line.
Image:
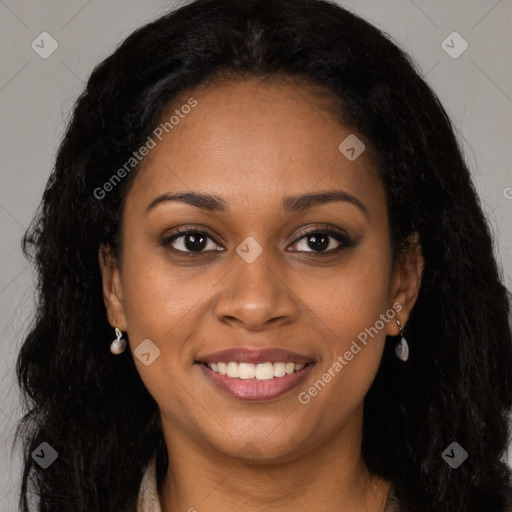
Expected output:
{"points": [[254, 144]]}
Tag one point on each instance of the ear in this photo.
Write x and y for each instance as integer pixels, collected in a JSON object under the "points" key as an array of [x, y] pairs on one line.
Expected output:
{"points": [[406, 282], [112, 289]]}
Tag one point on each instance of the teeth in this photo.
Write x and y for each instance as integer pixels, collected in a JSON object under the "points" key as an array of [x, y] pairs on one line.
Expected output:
{"points": [[260, 371], [245, 371], [264, 371], [223, 368], [232, 370], [279, 369]]}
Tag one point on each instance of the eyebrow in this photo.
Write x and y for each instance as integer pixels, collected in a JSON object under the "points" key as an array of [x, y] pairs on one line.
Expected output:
{"points": [[289, 204]]}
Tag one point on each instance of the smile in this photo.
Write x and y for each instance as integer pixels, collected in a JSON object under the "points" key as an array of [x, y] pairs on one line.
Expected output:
{"points": [[260, 371], [255, 382]]}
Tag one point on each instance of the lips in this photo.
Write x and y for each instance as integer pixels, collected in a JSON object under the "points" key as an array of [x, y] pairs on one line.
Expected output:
{"points": [[255, 356], [261, 387]]}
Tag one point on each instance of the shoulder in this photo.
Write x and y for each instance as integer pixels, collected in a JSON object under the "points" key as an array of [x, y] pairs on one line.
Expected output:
{"points": [[147, 499]]}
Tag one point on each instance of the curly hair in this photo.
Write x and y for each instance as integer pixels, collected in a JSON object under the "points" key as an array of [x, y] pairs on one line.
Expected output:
{"points": [[94, 409]]}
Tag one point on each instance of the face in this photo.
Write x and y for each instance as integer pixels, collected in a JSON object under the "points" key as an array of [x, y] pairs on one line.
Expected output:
{"points": [[260, 272]]}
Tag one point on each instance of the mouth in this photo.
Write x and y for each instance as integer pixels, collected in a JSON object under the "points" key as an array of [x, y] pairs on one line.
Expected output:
{"points": [[260, 371], [255, 374], [255, 382]]}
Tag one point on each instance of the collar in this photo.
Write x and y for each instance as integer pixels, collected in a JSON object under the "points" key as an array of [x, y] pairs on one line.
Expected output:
{"points": [[148, 499]]}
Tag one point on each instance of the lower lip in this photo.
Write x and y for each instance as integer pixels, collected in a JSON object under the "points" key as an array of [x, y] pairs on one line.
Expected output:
{"points": [[253, 389]]}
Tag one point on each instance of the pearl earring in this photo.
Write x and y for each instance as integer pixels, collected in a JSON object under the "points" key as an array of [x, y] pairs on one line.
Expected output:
{"points": [[402, 348], [119, 344]]}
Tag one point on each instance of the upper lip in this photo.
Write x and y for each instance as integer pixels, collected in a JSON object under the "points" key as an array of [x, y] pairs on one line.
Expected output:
{"points": [[254, 355]]}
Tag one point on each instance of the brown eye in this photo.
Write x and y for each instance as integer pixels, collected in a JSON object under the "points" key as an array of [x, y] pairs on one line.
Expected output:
{"points": [[326, 240], [190, 241]]}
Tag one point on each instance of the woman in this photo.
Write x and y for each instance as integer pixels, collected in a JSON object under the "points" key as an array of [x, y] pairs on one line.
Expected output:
{"points": [[268, 206]]}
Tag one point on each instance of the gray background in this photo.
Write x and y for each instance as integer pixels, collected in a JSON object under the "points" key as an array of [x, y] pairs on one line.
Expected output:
{"points": [[36, 96]]}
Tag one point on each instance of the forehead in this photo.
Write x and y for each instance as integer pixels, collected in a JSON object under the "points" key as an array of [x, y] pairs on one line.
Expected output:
{"points": [[254, 142]]}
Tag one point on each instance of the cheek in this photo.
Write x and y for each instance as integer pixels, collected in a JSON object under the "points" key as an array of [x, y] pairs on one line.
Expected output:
{"points": [[157, 307], [352, 298], [156, 297], [354, 310]]}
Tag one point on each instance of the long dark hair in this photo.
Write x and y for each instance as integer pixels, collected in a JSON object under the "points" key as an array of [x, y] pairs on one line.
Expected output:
{"points": [[93, 408]]}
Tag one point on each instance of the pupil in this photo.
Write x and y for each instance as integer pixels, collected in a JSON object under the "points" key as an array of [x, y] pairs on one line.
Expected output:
{"points": [[318, 241], [197, 242]]}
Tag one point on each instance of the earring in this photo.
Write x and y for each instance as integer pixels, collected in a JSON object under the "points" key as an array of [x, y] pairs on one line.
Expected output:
{"points": [[402, 348], [119, 344]]}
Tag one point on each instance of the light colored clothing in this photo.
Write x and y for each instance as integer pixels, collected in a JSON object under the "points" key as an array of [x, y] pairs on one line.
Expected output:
{"points": [[148, 499]]}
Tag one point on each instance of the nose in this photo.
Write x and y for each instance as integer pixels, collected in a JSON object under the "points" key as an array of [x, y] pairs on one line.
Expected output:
{"points": [[256, 295]]}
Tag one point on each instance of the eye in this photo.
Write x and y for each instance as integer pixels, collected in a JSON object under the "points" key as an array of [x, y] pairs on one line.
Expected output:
{"points": [[189, 240], [320, 240]]}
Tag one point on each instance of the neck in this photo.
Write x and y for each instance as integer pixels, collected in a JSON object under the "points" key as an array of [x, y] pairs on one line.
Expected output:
{"points": [[328, 476]]}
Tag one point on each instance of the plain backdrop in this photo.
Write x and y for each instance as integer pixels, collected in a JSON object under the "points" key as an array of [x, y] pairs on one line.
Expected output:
{"points": [[37, 94]]}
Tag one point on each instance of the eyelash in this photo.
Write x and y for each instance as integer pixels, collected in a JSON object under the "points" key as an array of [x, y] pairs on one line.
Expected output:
{"points": [[336, 233]]}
